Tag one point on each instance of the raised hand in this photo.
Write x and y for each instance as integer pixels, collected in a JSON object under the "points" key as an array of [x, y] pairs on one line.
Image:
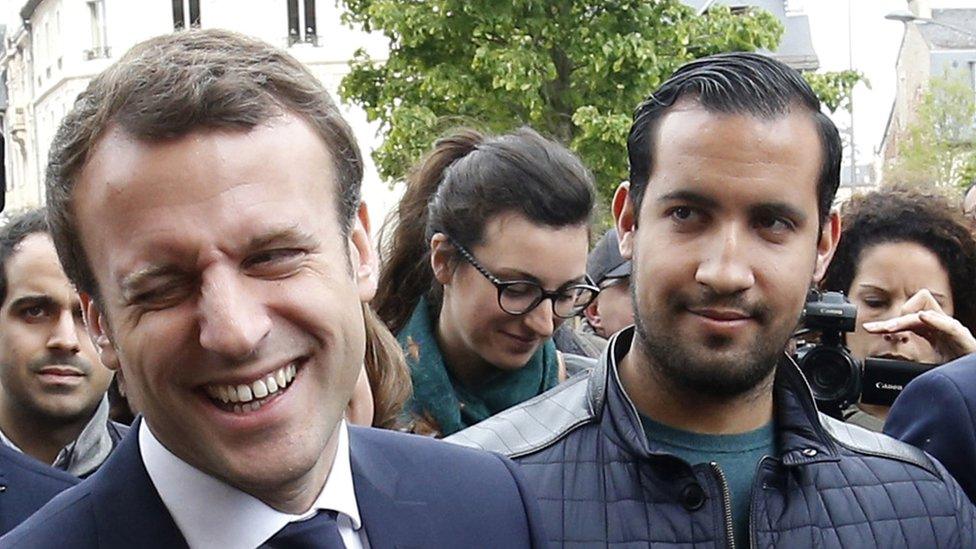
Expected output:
{"points": [[923, 315]]}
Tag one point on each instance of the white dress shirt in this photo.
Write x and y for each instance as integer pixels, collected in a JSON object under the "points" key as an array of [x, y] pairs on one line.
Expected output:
{"points": [[213, 514]]}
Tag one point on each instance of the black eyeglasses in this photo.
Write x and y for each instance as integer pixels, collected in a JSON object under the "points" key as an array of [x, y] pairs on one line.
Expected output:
{"points": [[518, 297]]}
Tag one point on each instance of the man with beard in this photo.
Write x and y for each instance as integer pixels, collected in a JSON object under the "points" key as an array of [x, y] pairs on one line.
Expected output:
{"points": [[52, 388], [53, 405], [695, 429]]}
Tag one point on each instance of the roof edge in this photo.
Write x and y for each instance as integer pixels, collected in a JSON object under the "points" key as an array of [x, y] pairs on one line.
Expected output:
{"points": [[29, 8]]}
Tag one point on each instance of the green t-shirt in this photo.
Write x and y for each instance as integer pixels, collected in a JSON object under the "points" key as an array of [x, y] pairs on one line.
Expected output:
{"points": [[738, 455]]}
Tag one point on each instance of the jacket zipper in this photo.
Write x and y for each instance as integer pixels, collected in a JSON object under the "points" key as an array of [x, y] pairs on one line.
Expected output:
{"points": [[726, 496], [753, 496], [726, 503]]}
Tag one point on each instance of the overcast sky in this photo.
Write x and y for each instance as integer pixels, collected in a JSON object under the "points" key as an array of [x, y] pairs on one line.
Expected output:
{"points": [[874, 51]]}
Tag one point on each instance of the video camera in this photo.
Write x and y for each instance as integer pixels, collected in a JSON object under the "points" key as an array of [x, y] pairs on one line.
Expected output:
{"points": [[835, 376]]}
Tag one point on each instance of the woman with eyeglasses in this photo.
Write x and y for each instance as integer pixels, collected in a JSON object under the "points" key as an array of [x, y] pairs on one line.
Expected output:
{"points": [[487, 257]]}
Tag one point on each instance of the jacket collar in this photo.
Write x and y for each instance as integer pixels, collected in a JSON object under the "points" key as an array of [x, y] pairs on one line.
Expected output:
{"points": [[390, 519], [13, 462], [801, 436], [128, 510]]}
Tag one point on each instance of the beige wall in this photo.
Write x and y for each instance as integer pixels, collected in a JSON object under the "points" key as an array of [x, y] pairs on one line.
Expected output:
{"points": [[912, 70], [48, 64]]}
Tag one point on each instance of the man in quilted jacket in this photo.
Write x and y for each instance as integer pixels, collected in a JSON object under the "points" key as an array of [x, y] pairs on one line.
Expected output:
{"points": [[695, 429]]}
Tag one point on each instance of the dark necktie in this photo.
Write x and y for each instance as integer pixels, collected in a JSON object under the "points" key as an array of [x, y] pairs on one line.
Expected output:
{"points": [[320, 531]]}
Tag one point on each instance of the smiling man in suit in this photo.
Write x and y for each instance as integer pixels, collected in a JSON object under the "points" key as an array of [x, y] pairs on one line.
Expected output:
{"points": [[204, 196]]}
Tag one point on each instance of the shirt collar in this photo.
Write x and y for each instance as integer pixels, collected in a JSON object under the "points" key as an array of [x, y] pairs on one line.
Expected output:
{"points": [[211, 513]]}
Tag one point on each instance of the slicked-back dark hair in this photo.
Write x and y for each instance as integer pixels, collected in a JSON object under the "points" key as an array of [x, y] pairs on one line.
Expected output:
{"points": [[20, 226], [733, 83], [900, 215], [172, 85]]}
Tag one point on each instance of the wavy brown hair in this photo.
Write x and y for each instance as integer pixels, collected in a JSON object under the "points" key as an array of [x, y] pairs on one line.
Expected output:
{"points": [[389, 377], [171, 85]]}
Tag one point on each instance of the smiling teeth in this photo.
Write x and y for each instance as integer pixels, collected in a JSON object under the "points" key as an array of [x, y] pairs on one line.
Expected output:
{"points": [[243, 395]]}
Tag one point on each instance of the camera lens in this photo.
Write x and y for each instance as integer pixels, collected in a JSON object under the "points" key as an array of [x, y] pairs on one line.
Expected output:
{"points": [[832, 373]]}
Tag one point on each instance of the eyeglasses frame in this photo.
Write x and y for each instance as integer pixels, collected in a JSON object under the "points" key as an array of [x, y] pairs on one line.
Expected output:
{"points": [[501, 285]]}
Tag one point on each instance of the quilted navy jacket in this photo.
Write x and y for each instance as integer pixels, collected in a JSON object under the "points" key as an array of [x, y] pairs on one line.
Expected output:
{"points": [[582, 448]]}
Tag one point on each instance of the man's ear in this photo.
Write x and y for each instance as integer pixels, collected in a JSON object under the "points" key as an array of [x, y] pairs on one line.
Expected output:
{"points": [[362, 255], [626, 220], [441, 256], [592, 313], [829, 237], [97, 327]]}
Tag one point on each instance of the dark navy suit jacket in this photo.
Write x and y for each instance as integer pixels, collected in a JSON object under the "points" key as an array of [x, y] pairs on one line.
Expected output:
{"points": [[411, 491], [25, 486], [937, 413]]}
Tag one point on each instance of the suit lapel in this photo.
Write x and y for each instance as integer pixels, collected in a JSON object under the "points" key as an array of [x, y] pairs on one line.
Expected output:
{"points": [[129, 512], [26, 485], [128, 509], [389, 519]]}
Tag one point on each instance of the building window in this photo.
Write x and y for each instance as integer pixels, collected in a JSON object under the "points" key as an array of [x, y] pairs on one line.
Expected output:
{"points": [[301, 23], [47, 42], [99, 31], [186, 13], [50, 49]]}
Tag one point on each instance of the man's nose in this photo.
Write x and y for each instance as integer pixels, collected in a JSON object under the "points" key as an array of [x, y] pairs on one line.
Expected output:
{"points": [[64, 337], [726, 267], [233, 321]]}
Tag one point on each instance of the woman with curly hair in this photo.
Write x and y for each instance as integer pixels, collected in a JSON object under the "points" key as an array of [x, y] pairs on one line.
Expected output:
{"points": [[908, 262]]}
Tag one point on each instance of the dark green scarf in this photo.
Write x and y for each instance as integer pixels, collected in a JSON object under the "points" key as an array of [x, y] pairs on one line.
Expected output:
{"points": [[437, 395]]}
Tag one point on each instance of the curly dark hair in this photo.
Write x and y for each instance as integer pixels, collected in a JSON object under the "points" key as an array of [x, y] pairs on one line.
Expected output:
{"points": [[900, 215]]}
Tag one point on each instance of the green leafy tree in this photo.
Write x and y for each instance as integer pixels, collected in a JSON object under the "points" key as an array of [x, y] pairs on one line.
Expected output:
{"points": [[573, 69], [835, 89], [938, 146]]}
